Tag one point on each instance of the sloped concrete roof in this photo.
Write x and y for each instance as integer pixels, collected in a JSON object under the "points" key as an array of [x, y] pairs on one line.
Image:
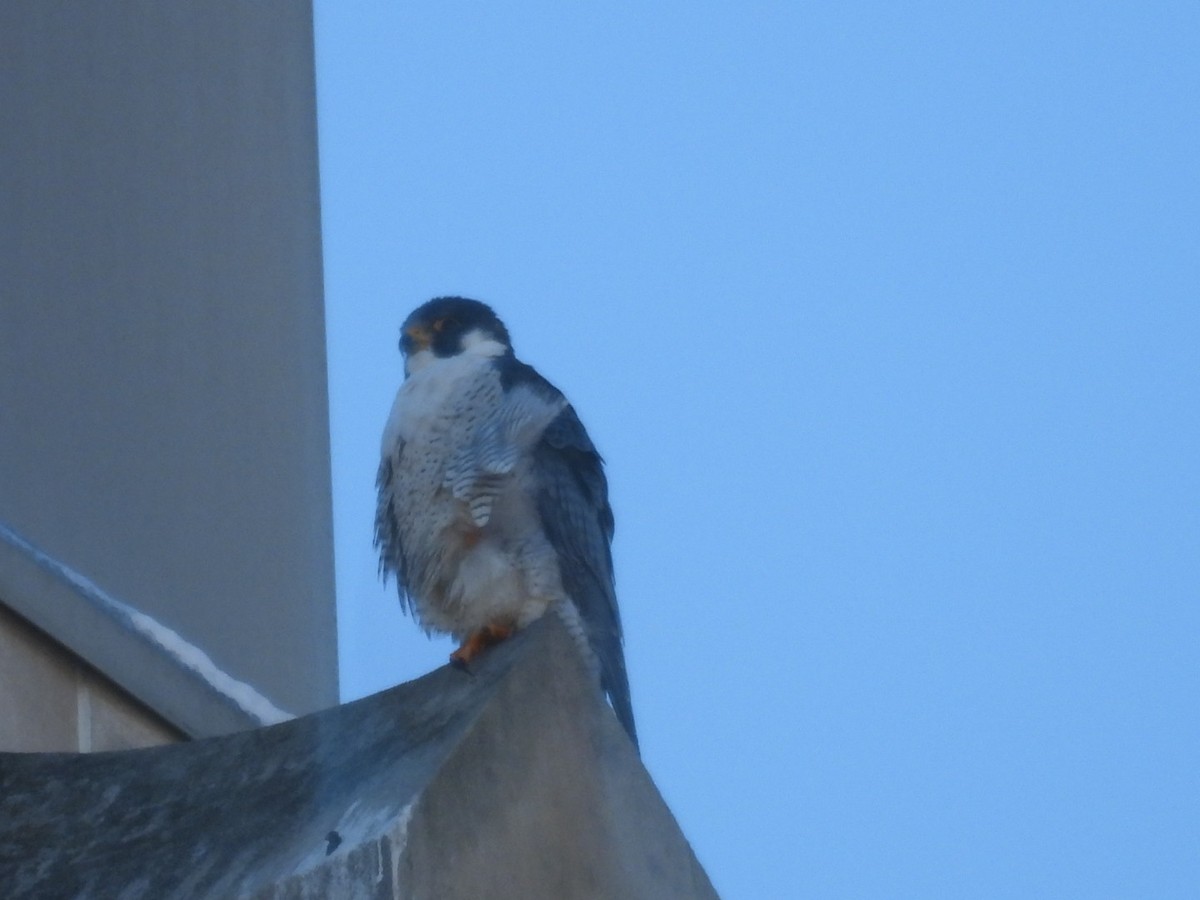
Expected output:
{"points": [[513, 780], [154, 664]]}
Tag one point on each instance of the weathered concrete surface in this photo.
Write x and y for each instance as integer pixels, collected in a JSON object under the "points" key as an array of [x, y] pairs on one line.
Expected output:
{"points": [[511, 781]]}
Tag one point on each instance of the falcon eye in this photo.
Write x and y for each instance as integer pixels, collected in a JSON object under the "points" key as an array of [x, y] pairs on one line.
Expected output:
{"points": [[445, 322]]}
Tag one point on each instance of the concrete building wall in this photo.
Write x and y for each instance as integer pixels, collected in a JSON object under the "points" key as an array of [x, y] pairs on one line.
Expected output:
{"points": [[51, 701], [163, 409]]}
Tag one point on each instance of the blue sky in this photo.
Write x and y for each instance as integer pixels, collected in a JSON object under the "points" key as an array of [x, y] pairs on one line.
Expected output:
{"points": [[885, 317]]}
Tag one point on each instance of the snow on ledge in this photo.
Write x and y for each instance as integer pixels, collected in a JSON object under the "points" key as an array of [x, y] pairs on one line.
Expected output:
{"points": [[186, 654]]}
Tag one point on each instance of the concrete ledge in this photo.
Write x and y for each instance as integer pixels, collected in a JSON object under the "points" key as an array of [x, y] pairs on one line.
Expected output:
{"points": [[173, 678], [514, 780]]}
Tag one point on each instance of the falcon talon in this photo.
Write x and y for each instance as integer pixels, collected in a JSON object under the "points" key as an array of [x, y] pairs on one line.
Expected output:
{"points": [[474, 645], [493, 503]]}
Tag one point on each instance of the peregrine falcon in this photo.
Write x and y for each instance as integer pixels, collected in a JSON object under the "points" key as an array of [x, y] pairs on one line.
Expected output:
{"points": [[493, 505]]}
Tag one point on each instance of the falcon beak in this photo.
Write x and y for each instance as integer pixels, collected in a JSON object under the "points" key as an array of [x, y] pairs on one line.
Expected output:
{"points": [[415, 338]]}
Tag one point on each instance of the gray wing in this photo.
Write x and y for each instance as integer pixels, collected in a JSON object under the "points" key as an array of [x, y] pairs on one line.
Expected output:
{"points": [[572, 500], [387, 532]]}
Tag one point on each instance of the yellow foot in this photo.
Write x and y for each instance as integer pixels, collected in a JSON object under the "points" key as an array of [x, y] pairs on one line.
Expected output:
{"points": [[478, 641]]}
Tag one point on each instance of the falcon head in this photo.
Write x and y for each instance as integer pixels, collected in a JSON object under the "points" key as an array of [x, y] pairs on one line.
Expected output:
{"points": [[449, 326]]}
